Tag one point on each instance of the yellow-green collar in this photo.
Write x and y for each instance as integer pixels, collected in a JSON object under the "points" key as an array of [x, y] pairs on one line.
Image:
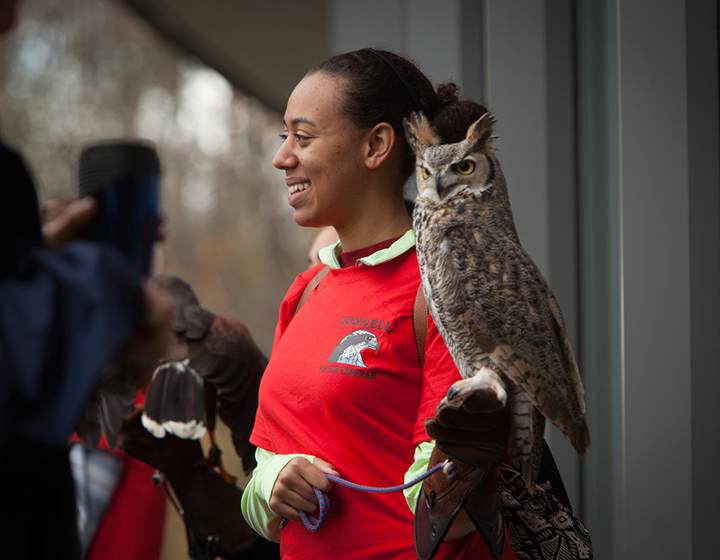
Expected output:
{"points": [[330, 255]]}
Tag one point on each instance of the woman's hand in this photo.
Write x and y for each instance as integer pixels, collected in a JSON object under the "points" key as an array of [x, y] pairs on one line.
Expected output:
{"points": [[293, 490]]}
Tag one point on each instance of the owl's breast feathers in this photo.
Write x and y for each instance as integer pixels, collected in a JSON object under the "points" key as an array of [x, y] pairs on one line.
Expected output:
{"points": [[493, 307]]}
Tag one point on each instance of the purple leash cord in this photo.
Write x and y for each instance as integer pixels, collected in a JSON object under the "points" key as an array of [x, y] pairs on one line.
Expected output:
{"points": [[314, 523]]}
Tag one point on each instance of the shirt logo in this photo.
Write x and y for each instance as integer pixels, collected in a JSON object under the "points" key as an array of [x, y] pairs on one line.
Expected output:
{"points": [[348, 351]]}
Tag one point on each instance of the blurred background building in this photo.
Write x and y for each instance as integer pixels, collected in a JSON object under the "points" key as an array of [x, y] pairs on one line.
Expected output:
{"points": [[608, 134]]}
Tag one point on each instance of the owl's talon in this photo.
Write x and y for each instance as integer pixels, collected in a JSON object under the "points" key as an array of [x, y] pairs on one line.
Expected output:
{"points": [[484, 391]]}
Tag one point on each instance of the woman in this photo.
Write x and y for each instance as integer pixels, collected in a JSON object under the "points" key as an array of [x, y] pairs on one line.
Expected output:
{"points": [[344, 392]]}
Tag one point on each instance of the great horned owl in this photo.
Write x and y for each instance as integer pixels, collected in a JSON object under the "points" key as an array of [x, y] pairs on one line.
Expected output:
{"points": [[492, 306]]}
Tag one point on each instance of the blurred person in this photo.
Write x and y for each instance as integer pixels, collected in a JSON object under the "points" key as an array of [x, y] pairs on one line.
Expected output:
{"points": [[65, 314], [131, 521], [325, 237], [121, 506], [214, 363]]}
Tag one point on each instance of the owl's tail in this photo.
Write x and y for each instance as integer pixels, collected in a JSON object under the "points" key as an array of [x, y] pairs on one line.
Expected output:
{"points": [[528, 436], [175, 402], [579, 435], [567, 412]]}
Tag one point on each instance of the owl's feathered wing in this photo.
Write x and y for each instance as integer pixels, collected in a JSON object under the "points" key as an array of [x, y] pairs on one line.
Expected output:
{"points": [[112, 401], [175, 401], [492, 306], [231, 363], [217, 369]]}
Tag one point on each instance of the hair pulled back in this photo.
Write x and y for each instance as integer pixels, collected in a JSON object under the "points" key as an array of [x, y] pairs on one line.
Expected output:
{"points": [[454, 115], [383, 86], [375, 93]]}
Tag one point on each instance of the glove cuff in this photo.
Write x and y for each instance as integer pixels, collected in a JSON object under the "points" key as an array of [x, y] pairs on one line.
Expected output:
{"points": [[484, 508], [474, 487]]}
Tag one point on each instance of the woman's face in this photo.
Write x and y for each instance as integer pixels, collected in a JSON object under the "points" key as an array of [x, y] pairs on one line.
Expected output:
{"points": [[322, 154]]}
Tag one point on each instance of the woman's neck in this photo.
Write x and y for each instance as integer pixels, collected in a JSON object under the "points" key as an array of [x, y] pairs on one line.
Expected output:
{"points": [[372, 228], [352, 258], [378, 210]]}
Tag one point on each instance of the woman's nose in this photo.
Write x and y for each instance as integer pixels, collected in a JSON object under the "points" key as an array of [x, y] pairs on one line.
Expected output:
{"points": [[284, 158]]}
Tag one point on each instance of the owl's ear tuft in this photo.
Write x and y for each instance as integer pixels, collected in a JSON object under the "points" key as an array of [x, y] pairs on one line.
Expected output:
{"points": [[480, 132], [420, 132]]}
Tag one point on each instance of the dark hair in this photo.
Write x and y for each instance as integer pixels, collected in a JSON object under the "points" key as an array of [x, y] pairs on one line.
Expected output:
{"points": [[454, 115], [381, 86]]}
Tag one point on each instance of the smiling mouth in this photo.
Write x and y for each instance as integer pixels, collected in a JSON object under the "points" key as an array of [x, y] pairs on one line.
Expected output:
{"points": [[298, 187]]}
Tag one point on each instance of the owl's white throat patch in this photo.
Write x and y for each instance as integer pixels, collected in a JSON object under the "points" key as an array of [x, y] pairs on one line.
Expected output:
{"points": [[429, 193]]}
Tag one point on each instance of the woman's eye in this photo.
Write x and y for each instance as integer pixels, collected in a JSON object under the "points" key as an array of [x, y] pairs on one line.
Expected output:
{"points": [[424, 173], [465, 167], [298, 137]]}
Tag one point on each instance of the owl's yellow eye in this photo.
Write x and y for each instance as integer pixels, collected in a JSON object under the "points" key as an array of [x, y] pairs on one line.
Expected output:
{"points": [[465, 167], [424, 173]]}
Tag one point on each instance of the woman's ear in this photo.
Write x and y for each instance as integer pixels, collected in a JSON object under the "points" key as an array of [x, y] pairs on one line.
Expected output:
{"points": [[380, 142]]}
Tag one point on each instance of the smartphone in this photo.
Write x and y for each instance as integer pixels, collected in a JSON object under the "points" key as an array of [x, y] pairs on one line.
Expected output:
{"points": [[124, 177]]}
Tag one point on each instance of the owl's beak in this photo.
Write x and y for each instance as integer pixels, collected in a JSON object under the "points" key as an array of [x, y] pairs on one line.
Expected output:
{"points": [[445, 188]]}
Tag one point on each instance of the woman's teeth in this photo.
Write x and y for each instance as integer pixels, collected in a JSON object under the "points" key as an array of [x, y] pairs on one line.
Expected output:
{"points": [[299, 187]]}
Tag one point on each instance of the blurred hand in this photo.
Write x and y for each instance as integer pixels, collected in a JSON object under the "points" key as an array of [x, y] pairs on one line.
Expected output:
{"points": [[63, 221], [293, 488]]}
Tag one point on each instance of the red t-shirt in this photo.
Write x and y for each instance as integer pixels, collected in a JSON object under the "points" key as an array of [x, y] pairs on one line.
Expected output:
{"points": [[344, 383], [133, 524]]}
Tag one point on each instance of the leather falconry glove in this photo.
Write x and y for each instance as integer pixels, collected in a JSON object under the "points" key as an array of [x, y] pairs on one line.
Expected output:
{"points": [[472, 430], [210, 505]]}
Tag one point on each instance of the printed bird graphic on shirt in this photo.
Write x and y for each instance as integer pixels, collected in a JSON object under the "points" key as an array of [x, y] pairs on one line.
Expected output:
{"points": [[348, 351]]}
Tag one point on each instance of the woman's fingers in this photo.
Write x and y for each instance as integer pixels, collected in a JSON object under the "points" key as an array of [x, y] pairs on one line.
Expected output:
{"points": [[289, 504], [325, 467], [294, 487]]}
